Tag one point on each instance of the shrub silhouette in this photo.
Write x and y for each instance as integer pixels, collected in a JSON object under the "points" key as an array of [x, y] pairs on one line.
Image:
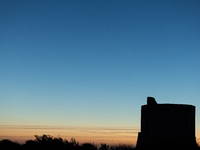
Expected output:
{"points": [[122, 147], [88, 146], [8, 145], [104, 147], [48, 142]]}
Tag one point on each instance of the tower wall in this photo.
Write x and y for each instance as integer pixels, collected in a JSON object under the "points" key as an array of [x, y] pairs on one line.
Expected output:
{"points": [[162, 124]]}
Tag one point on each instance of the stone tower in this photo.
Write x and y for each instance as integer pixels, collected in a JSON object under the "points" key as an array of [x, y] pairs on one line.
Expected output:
{"points": [[166, 125]]}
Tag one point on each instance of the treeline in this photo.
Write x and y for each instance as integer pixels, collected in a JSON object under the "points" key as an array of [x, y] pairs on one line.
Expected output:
{"points": [[47, 142]]}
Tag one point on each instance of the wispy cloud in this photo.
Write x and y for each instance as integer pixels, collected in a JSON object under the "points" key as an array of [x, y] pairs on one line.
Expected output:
{"points": [[123, 131], [39, 127]]}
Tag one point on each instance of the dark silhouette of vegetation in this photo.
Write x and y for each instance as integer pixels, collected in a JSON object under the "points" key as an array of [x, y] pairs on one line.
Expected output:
{"points": [[47, 142], [8, 145], [122, 147], [104, 147]]}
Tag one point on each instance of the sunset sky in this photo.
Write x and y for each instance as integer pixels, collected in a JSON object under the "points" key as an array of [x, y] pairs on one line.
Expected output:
{"points": [[83, 68]]}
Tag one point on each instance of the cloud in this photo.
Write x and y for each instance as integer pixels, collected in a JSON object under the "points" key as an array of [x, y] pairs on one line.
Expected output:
{"points": [[125, 131]]}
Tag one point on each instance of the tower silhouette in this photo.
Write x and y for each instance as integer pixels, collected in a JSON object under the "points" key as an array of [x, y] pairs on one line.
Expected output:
{"points": [[167, 126]]}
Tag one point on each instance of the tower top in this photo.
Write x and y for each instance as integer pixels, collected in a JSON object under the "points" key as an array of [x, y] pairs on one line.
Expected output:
{"points": [[151, 101]]}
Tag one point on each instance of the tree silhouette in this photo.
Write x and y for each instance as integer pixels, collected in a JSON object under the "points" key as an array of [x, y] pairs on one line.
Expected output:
{"points": [[104, 147], [8, 145]]}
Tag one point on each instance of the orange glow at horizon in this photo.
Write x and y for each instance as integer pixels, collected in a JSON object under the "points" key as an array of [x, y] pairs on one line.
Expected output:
{"points": [[96, 135], [198, 137]]}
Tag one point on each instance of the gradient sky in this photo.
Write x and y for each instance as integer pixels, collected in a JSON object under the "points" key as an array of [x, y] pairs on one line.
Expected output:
{"points": [[92, 64]]}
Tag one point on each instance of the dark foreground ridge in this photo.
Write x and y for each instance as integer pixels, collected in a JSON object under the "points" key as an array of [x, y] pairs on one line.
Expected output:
{"points": [[47, 142]]}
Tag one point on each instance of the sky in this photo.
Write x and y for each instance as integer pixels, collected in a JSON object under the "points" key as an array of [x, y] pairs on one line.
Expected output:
{"points": [[84, 68]]}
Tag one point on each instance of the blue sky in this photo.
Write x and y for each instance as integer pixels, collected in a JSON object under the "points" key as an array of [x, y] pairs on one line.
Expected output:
{"points": [[93, 63]]}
